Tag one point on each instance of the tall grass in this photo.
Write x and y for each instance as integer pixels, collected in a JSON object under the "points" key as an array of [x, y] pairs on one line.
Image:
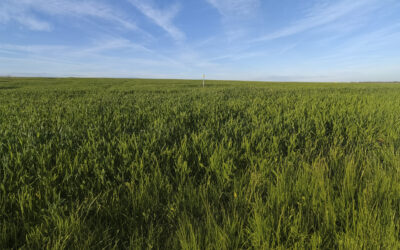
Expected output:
{"points": [[166, 164]]}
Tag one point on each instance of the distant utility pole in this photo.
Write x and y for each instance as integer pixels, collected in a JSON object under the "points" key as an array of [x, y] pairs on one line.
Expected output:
{"points": [[204, 79]]}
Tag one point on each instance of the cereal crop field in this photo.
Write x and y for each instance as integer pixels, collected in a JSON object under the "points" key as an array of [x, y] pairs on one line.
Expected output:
{"points": [[168, 164]]}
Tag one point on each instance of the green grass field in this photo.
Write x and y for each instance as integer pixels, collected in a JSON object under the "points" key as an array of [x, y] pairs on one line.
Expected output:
{"points": [[167, 164]]}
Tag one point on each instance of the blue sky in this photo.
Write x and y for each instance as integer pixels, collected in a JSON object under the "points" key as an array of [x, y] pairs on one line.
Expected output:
{"points": [[275, 40]]}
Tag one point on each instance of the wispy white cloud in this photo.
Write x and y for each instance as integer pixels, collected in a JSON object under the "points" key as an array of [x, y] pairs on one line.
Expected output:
{"points": [[21, 11], [95, 63], [162, 18], [38, 49], [229, 8], [324, 14], [238, 17], [15, 11], [32, 22], [371, 47], [109, 44], [94, 49], [97, 55]]}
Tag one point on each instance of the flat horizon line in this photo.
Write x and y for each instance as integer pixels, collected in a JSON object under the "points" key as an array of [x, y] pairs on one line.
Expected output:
{"points": [[187, 79]]}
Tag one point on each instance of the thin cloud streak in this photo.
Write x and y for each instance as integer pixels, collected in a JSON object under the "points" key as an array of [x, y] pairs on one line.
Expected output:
{"points": [[229, 8], [95, 49], [237, 17], [162, 18], [17, 12], [320, 16], [96, 54], [21, 12]]}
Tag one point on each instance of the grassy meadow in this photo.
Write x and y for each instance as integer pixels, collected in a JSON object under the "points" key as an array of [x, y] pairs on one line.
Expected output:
{"points": [[167, 164]]}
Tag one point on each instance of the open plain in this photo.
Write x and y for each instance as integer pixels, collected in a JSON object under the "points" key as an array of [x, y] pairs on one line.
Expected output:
{"points": [[168, 164]]}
